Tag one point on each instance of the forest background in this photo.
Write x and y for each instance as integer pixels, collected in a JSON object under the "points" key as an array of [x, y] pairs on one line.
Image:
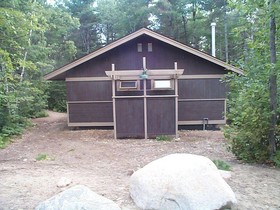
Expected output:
{"points": [[38, 36]]}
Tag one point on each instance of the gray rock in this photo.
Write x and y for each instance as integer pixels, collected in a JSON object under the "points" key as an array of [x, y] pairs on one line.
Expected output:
{"points": [[180, 181], [78, 198], [63, 182]]}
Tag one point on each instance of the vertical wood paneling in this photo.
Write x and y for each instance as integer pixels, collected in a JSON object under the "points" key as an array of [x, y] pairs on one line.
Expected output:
{"points": [[130, 118], [201, 89], [197, 110], [89, 91], [161, 116], [90, 112], [163, 56]]}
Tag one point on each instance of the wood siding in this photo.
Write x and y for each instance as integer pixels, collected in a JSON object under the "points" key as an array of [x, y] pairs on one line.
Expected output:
{"points": [[161, 116], [130, 118], [163, 56], [201, 89], [90, 112], [198, 98], [197, 110], [89, 91]]}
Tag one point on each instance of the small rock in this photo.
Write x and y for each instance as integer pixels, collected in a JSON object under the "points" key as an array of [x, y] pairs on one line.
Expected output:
{"points": [[64, 182], [25, 159], [130, 172]]}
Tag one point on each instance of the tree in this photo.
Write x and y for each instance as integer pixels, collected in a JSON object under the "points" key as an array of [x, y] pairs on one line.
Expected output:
{"points": [[32, 32], [253, 111], [272, 80]]}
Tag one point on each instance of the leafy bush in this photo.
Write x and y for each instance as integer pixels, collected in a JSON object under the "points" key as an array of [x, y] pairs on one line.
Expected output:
{"points": [[248, 117], [276, 158], [56, 92], [222, 165]]}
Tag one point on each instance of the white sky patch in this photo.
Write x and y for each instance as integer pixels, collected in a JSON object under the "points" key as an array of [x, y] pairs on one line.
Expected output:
{"points": [[52, 2]]}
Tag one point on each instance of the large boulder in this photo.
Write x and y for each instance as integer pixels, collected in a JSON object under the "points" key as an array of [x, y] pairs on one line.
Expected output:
{"points": [[180, 181], [78, 198]]}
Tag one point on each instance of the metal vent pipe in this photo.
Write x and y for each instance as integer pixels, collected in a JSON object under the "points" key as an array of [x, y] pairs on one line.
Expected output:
{"points": [[213, 25]]}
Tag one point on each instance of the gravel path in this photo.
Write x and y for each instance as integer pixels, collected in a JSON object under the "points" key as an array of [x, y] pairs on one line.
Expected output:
{"points": [[94, 159]]}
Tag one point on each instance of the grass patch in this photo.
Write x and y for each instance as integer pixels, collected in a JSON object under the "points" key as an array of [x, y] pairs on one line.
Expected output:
{"points": [[44, 156], [222, 165], [163, 138], [3, 141]]}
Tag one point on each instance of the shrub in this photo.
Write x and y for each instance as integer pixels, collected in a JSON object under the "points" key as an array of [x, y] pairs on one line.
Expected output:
{"points": [[276, 158], [56, 92], [248, 117]]}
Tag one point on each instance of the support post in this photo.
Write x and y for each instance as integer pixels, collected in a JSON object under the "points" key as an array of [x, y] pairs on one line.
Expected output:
{"points": [[145, 102], [114, 102], [176, 101]]}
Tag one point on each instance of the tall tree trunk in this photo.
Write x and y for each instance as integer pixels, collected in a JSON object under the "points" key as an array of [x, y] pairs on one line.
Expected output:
{"points": [[226, 31], [25, 55], [29, 44], [185, 29], [272, 82]]}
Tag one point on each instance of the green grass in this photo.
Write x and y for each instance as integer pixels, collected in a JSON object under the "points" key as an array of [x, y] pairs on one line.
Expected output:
{"points": [[163, 138], [41, 156], [222, 165], [44, 156]]}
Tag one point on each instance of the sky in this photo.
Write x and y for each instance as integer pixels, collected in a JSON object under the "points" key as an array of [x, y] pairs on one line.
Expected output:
{"points": [[51, 1]]}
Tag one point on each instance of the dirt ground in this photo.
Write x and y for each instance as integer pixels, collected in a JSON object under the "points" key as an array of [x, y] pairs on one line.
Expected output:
{"points": [[94, 159]]}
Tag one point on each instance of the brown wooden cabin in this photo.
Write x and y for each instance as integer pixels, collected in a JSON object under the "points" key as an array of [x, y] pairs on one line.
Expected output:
{"points": [[145, 85]]}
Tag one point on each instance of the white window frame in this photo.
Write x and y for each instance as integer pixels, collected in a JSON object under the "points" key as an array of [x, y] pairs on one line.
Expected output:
{"points": [[169, 87], [135, 87]]}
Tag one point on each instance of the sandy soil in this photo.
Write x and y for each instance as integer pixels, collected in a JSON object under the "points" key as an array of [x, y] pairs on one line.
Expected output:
{"points": [[94, 159]]}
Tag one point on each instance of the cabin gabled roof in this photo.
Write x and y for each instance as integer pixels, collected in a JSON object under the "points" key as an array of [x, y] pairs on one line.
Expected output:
{"points": [[132, 36]]}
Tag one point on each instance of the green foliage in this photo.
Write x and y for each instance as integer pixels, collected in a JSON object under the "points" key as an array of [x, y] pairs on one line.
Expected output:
{"points": [[248, 106], [57, 96], [41, 156], [21, 86], [44, 156], [163, 138], [249, 115], [276, 158], [222, 165]]}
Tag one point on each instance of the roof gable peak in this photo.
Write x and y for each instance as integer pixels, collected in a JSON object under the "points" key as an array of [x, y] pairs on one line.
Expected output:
{"points": [[132, 36]]}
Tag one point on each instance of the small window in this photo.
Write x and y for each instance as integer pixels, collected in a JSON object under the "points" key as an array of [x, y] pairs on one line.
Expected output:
{"points": [[139, 47], [162, 84], [128, 85], [150, 47]]}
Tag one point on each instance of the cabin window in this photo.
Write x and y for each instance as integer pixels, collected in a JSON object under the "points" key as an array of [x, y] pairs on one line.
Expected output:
{"points": [[139, 47], [128, 85], [150, 47], [162, 84]]}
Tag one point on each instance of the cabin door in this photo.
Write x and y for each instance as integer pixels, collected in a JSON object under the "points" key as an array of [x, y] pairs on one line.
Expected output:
{"points": [[129, 118], [161, 118]]}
